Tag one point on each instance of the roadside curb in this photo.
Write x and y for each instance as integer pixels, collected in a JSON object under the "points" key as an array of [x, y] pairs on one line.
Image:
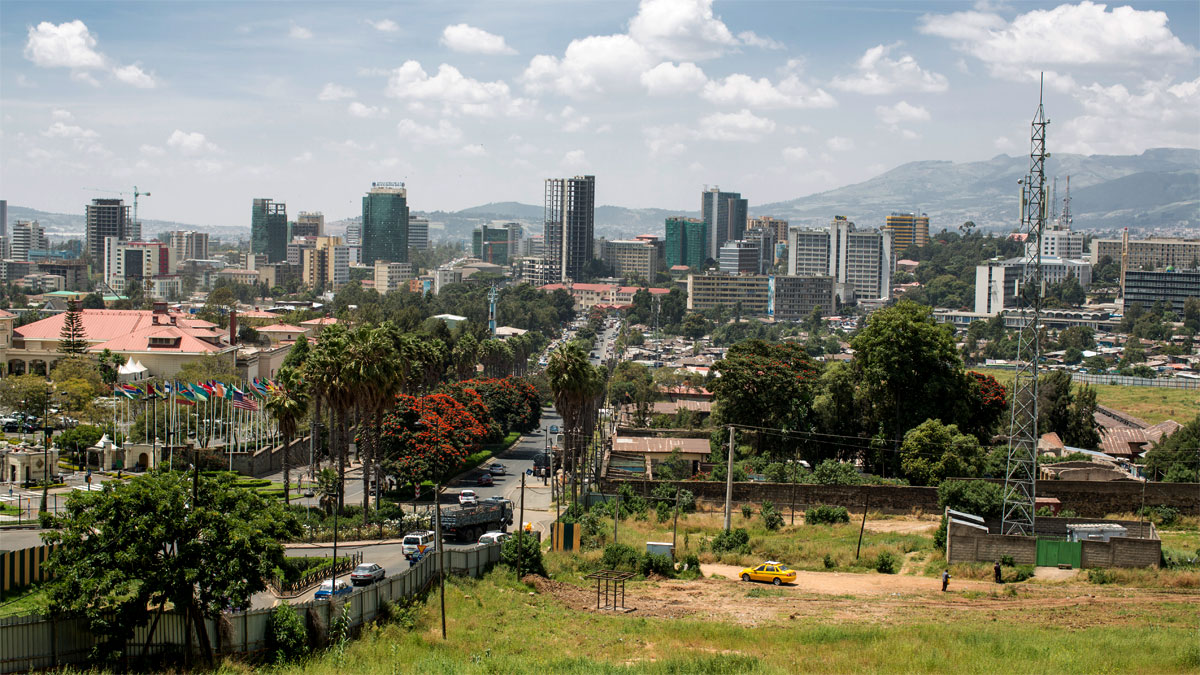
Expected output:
{"points": [[356, 544]]}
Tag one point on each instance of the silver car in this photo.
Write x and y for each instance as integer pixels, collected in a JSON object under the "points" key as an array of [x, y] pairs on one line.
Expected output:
{"points": [[366, 574]]}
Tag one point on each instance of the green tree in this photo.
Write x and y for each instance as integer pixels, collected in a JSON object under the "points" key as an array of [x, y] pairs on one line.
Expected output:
{"points": [[633, 385], [1176, 458], [297, 355], [109, 364], [1079, 337], [375, 379], [93, 301], [756, 372], [146, 543], [78, 369], [288, 404], [1067, 411], [209, 367], [72, 338], [577, 386], [329, 372], [932, 452], [29, 394], [695, 326]]}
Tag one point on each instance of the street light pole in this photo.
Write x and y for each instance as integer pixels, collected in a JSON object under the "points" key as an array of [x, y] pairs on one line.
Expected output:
{"points": [[441, 553]]}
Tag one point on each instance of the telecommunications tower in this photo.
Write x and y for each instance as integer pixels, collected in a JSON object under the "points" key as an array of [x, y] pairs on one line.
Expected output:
{"points": [[1020, 483]]}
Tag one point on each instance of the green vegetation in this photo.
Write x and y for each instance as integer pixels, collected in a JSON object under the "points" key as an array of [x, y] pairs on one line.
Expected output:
{"points": [[826, 515], [33, 599]]}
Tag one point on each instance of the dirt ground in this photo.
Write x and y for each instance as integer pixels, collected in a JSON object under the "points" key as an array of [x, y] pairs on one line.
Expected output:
{"points": [[872, 598]]}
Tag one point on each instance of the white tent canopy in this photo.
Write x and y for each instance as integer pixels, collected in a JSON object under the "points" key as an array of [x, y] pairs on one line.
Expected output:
{"points": [[132, 371]]}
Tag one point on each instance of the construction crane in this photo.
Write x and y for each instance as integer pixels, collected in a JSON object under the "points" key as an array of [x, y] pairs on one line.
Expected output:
{"points": [[1020, 482], [136, 193]]}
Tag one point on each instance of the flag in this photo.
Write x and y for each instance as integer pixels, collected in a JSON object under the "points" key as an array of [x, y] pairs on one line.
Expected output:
{"points": [[199, 393], [219, 389], [183, 401], [242, 403]]}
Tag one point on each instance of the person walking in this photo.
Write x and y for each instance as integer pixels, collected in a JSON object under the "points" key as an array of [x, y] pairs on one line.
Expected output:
{"points": [[996, 569], [945, 580]]}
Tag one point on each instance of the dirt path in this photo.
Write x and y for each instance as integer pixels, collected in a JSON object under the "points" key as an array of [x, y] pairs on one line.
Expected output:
{"points": [[838, 583], [902, 526]]}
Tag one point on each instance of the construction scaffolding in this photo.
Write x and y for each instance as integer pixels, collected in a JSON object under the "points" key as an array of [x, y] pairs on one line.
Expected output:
{"points": [[1020, 483]]}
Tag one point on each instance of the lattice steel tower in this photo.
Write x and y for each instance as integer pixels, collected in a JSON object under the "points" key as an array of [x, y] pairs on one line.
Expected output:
{"points": [[1020, 484]]}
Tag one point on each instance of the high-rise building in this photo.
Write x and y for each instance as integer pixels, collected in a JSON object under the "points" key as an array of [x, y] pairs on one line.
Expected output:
{"points": [[354, 232], [739, 256], [570, 220], [786, 298], [686, 242], [326, 264], [779, 227], [140, 261], [1173, 287], [309, 224], [390, 276], [495, 244], [4, 218], [1151, 254], [725, 215], [631, 257], [908, 229], [27, 236], [385, 223], [533, 246], [418, 233], [764, 243], [269, 229], [1060, 244], [106, 218], [860, 261], [188, 245]]}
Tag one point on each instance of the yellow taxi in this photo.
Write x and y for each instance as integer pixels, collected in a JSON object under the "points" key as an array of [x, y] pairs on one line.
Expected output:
{"points": [[772, 571]]}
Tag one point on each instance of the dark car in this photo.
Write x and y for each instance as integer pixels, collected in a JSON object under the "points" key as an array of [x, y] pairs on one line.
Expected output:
{"points": [[485, 480]]}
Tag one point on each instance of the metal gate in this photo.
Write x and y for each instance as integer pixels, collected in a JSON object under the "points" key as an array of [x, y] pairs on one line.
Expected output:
{"points": [[1052, 553]]}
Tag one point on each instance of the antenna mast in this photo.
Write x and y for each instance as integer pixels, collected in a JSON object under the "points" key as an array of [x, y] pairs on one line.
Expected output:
{"points": [[1020, 483], [1064, 220]]}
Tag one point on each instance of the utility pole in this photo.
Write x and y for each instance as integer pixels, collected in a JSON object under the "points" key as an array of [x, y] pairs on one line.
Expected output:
{"points": [[729, 485], [441, 553], [521, 530], [675, 526]]}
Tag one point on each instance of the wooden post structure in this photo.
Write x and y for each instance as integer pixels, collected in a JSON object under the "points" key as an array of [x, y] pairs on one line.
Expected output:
{"points": [[729, 485]]}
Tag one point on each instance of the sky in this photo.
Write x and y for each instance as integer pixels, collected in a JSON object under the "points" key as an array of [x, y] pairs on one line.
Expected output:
{"points": [[207, 105]]}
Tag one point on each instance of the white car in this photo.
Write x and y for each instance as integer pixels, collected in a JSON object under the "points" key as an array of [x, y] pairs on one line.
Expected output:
{"points": [[366, 573], [468, 498], [493, 537]]}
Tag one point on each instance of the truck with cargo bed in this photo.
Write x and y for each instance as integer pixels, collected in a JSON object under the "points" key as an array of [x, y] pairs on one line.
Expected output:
{"points": [[466, 523]]}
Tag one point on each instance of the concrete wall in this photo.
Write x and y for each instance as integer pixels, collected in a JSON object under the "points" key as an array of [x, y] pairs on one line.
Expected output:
{"points": [[266, 462], [1122, 552], [967, 544], [1089, 499]]}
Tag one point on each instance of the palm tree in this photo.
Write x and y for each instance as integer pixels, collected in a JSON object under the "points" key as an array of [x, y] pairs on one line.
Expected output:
{"points": [[374, 380], [288, 404], [575, 384], [328, 372], [466, 355]]}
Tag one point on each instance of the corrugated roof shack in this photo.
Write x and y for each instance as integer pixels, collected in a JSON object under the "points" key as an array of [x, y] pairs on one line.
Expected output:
{"points": [[1078, 542]]}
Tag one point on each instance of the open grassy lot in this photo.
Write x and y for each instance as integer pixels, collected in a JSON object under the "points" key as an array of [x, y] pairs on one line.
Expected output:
{"points": [[496, 625], [28, 600], [1153, 404]]}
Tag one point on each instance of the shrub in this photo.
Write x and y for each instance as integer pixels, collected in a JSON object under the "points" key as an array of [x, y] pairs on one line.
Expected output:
{"points": [[1161, 514], [522, 553], [939, 537], [1099, 575], [772, 518], [886, 563], [976, 497], [287, 638], [691, 562], [1067, 513], [1024, 572], [657, 563], [662, 511], [733, 541], [619, 557], [830, 563], [687, 500], [747, 511], [823, 514], [1044, 512], [1007, 561], [833, 472]]}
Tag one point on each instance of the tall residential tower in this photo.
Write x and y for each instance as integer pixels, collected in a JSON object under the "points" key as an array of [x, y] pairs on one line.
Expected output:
{"points": [[725, 215], [106, 218], [269, 229], [570, 222], [385, 223]]}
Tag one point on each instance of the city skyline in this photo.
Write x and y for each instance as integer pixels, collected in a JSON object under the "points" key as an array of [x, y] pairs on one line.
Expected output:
{"points": [[472, 103]]}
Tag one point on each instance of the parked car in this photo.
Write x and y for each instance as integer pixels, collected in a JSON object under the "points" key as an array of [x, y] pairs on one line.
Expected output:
{"points": [[772, 571], [493, 537], [484, 480], [329, 590], [414, 542], [497, 469], [366, 574], [468, 498]]}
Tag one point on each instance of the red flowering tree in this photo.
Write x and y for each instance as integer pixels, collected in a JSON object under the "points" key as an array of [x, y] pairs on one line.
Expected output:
{"points": [[766, 385], [426, 437], [512, 402], [983, 407]]}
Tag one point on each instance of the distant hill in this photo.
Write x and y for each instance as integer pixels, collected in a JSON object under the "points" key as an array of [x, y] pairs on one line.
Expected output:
{"points": [[74, 225], [1159, 188]]}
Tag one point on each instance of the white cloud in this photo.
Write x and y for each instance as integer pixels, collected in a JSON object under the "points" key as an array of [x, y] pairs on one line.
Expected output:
{"points": [[903, 111], [1083, 34], [588, 67], [457, 93], [839, 144], [23, 81], [791, 92], [357, 109], [304, 157], [66, 45], [385, 26], [61, 130], [571, 119], [84, 77], [1160, 113], [682, 30], [739, 126], [334, 92], [444, 133], [208, 166], [474, 150], [190, 143], [134, 75], [61, 114], [794, 154], [152, 150], [471, 40], [575, 159], [300, 33], [668, 79], [752, 39], [878, 74]]}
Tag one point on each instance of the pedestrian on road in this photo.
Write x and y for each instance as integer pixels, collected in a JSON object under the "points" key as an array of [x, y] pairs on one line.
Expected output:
{"points": [[945, 580], [996, 569]]}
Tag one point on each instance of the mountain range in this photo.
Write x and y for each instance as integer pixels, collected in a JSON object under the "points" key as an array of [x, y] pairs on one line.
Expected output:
{"points": [[1156, 190]]}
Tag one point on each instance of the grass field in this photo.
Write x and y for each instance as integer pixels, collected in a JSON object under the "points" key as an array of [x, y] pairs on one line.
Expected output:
{"points": [[496, 625], [25, 601], [1153, 404]]}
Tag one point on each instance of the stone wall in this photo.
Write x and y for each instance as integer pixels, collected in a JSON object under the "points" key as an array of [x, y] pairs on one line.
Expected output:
{"points": [[1088, 499], [268, 461]]}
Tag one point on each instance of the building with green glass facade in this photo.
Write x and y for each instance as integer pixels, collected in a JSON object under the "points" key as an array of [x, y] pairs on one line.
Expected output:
{"points": [[269, 229], [385, 224], [495, 244], [686, 242]]}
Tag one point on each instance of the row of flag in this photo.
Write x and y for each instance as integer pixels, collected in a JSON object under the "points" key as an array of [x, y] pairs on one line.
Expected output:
{"points": [[198, 392]]}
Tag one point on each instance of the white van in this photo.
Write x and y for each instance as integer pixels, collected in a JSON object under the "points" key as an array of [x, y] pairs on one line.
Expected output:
{"points": [[415, 541]]}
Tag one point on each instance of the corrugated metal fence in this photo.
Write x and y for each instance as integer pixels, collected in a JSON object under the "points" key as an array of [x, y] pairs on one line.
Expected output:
{"points": [[20, 568], [34, 642], [1130, 381]]}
